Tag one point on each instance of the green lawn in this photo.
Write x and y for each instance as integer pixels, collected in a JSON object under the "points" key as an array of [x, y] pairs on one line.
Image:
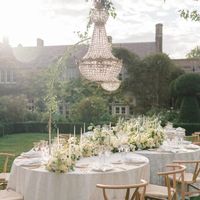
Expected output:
{"points": [[18, 143]]}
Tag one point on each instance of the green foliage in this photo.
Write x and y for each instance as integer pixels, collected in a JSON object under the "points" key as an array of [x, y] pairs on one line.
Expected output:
{"points": [[164, 115], [32, 116], [187, 84], [194, 53], [91, 109], [12, 108], [148, 80], [186, 89], [108, 6], [190, 111], [130, 60], [187, 14], [41, 127], [189, 127], [78, 89]]}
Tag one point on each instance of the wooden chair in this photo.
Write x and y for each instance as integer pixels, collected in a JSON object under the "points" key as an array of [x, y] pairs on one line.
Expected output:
{"points": [[4, 176], [190, 179], [197, 133], [136, 195], [64, 136], [10, 195], [169, 191], [192, 138]]}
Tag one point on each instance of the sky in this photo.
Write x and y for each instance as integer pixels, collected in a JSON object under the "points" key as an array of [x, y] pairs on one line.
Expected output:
{"points": [[57, 21]]}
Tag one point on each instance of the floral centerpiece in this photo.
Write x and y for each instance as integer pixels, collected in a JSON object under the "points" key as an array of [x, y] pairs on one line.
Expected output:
{"points": [[137, 133], [143, 132], [100, 140], [64, 156]]}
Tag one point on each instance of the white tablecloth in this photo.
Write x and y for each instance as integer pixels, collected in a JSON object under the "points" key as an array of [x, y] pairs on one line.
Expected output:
{"points": [[39, 184], [159, 159]]}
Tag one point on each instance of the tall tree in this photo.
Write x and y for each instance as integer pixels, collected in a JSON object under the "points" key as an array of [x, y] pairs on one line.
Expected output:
{"points": [[194, 53], [149, 79]]}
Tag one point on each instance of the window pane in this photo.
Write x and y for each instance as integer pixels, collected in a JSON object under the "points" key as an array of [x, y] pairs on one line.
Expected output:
{"points": [[8, 76], [123, 110], [117, 110], [2, 76]]}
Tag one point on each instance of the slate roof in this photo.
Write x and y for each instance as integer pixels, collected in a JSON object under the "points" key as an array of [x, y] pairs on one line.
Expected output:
{"points": [[189, 64], [39, 57]]}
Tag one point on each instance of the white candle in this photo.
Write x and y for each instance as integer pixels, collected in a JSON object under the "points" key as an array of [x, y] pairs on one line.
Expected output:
{"points": [[84, 128], [58, 136], [70, 150], [81, 139], [74, 131], [110, 125]]}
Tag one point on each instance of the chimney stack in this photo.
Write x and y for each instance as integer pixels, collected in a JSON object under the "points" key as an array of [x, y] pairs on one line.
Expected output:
{"points": [[5, 41], [159, 38], [40, 42], [110, 39]]}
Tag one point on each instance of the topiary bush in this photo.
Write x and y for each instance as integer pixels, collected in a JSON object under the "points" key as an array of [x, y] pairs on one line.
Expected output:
{"points": [[189, 112], [187, 89]]}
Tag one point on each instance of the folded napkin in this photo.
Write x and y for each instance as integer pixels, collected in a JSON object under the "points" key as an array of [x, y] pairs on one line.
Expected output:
{"points": [[32, 154], [191, 146], [134, 160], [30, 162]]}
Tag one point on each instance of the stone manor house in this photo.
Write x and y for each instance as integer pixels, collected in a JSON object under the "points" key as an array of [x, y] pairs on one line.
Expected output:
{"points": [[14, 62]]}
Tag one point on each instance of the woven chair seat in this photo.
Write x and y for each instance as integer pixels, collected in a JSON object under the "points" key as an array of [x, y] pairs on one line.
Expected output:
{"points": [[10, 195], [187, 178], [157, 191]]}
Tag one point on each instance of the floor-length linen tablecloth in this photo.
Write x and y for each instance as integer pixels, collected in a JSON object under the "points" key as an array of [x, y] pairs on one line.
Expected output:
{"points": [[158, 161], [39, 184]]}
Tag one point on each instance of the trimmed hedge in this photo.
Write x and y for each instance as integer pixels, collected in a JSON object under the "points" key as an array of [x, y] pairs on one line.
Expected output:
{"points": [[189, 112], [189, 127], [39, 127]]}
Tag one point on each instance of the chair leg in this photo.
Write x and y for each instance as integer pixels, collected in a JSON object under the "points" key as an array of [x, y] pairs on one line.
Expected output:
{"points": [[3, 185]]}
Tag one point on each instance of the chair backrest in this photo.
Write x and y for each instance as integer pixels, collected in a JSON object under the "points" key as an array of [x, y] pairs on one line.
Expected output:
{"points": [[6, 156], [174, 172], [65, 136], [138, 191], [195, 163], [192, 138]]}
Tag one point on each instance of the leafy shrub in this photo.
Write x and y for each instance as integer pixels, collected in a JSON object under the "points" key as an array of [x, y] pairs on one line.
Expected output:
{"points": [[41, 127], [188, 84], [164, 115], [189, 127], [189, 112], [187, 89], [91, 110]]}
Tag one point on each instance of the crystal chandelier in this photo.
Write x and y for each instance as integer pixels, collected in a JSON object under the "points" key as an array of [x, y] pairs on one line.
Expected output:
{"points": [[99, 64], [111, 85]]}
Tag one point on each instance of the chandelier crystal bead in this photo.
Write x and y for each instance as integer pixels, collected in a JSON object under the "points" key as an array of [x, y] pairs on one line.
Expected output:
{"points": [[112, 85], [99, 64]]}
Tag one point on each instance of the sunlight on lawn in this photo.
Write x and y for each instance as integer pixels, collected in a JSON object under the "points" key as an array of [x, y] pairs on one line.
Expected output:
{"points": [[18, 143]]}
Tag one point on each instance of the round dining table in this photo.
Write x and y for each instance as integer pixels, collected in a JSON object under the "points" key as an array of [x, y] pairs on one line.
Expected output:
{"points": [[36, 183], [160, 157]]}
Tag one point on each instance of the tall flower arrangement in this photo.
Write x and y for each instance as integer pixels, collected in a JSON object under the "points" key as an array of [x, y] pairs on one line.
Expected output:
{"points": [[64, 156], [144, 132], [137, 133]]}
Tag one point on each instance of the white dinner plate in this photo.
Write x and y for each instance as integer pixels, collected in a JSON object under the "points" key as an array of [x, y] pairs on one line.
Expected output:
{"points": [[130, 160], [117, 162], [81, 165], [191, 146], [103, 168]]}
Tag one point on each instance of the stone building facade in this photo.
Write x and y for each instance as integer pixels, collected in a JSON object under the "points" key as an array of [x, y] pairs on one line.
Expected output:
{"points": [[16, 62]]}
